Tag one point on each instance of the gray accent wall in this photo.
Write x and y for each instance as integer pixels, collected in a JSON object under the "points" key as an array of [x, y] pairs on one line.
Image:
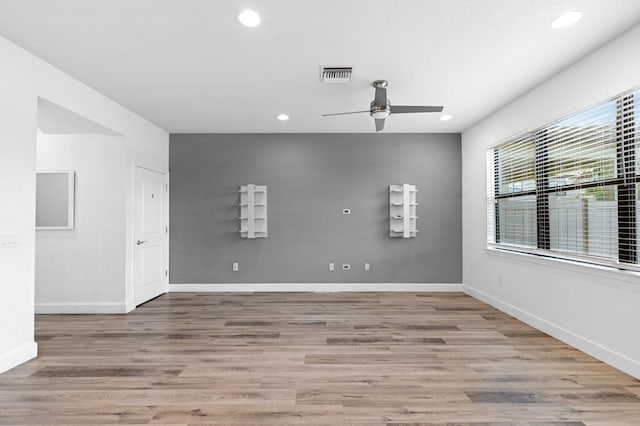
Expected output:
{"points": [[310, 179]]}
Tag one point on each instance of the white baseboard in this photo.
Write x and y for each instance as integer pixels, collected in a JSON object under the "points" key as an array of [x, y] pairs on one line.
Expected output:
{"points": [[594, 349], [313, 287], [80, 308], [17, 356]]}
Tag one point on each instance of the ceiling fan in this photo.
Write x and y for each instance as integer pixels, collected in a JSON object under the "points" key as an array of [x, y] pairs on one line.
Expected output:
{"points": [[381, 108]]}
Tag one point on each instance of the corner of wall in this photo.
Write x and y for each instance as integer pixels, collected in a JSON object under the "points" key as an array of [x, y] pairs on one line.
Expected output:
{"points": [[17, 356]]}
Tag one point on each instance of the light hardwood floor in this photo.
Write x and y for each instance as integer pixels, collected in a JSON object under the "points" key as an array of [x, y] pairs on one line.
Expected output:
{"points": [[305, 358]]}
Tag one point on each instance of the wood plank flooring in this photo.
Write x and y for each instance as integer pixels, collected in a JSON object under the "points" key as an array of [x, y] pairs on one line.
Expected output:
{"points": [[311, 358]]}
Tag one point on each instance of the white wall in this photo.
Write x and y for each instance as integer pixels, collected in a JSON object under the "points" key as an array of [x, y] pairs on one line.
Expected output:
{"points": [[17, 216], [594, 309], [24, 77], [83, 270]]}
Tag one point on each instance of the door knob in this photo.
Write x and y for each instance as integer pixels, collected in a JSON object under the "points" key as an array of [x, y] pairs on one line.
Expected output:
{"points": [[140, 242]]}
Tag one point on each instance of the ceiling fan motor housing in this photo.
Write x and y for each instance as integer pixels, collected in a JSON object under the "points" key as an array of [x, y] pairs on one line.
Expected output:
{"points": [[380, 111]]}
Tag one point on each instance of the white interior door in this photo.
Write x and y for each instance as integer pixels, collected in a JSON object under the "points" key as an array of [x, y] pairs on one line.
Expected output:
{"points": [[150, 233]]}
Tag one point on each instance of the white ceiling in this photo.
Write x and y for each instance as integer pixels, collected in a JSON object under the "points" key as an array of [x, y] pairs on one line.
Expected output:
{"points": [[188, 66]]}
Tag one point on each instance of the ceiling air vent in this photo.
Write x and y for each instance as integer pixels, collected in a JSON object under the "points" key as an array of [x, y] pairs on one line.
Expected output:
{"points": [[335, 74]]}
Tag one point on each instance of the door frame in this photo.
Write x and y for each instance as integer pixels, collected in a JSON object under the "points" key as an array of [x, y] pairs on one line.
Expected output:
{"points": [[131, 238]]}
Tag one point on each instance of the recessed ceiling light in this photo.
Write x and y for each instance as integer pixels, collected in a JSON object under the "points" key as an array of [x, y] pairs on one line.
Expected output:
{"points": [[283, 117], [566, 20], [249, 18], [446, 117]]}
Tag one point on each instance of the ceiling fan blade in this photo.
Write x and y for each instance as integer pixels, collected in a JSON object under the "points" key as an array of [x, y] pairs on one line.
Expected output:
{"points": [[379, 124], [405, 109], [381, 96], [345, 113]]}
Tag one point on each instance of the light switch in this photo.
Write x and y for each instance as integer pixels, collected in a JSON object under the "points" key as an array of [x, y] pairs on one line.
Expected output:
{"points": [[10, 240]]}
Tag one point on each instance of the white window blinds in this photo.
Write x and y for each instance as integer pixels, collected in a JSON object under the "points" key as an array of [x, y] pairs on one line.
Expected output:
{"points": [[570, 188]]}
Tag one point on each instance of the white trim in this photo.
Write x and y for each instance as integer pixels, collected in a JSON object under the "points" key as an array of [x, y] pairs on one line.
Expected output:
{"points": [[617, 360], [314, 287], [81, 308], [17, 356]]}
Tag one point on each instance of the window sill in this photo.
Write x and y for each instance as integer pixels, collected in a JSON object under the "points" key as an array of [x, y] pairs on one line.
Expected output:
{"points": [[590, 269]]}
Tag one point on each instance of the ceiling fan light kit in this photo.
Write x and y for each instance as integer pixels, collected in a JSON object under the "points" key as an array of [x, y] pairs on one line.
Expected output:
{"points": [[380, 108], [380, 111]]}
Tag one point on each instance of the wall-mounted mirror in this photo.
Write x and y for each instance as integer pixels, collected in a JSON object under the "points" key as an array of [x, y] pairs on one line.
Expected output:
{"points": [[55, 193]]}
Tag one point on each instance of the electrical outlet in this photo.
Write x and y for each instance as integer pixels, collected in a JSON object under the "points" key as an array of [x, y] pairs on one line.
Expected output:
{"points": [[235, 266], [332, 266], [366, 267], [346, 266]]}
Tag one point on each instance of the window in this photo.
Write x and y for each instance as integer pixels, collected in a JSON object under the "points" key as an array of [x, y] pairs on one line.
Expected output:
{"points": [[513, 185], [571, 189]]}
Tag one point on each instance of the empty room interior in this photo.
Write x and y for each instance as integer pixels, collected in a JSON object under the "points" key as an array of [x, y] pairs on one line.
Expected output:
{"points": [[340, 212]]}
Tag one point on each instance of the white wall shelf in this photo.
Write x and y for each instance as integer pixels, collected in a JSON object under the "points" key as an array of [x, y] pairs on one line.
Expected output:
{"points": [[402, 211], [253, 211]]}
